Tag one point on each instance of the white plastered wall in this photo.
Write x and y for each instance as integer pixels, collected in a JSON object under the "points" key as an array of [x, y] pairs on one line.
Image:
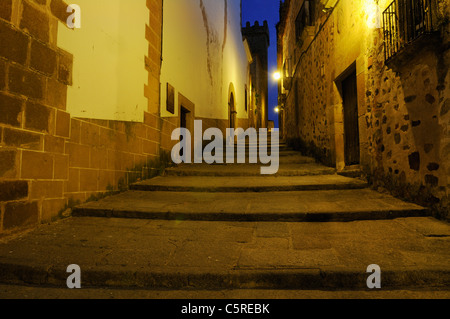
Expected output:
{"points": [[108, 66], [201, 58]]}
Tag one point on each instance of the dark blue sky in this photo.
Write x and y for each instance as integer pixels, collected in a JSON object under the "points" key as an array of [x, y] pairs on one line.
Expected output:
{"points": [[260, 10]]}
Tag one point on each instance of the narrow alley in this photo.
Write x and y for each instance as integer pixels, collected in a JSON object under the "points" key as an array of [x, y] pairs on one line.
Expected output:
{"points": [[224, 149]]}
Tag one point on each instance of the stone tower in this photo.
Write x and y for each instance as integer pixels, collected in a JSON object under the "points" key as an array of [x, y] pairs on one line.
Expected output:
{"points": [[258, 39]]}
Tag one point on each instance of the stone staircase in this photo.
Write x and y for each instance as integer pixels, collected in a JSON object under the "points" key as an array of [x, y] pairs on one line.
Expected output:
{"points": [[213, 227], [302, 190]]}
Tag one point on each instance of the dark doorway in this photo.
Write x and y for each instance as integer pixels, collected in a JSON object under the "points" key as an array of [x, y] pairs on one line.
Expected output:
{"points": [[183, 116], [351, 126], [233, 112], [183, 124]]}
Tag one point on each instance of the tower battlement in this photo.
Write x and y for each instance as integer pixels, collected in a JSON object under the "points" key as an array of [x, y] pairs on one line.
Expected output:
{"points": [[257, 31]]}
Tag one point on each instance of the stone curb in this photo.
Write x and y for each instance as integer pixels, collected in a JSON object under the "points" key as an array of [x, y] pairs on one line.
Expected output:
{"points": [[249, 189], [252, 217], [299, 279], [304, 172]]}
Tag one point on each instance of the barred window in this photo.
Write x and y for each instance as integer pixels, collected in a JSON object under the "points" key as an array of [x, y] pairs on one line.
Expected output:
{"points": [[404, 21]]}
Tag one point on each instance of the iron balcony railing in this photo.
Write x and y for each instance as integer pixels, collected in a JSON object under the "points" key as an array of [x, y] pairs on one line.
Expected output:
{"points": [[403, 22]]}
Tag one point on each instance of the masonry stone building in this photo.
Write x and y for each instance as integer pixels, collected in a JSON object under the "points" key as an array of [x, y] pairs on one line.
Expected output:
{"points": [[89, 110], [258, 39], [366, 86]]}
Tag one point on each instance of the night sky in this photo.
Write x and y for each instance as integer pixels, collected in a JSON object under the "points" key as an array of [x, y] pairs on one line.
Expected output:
{"points": [[260, 10]]}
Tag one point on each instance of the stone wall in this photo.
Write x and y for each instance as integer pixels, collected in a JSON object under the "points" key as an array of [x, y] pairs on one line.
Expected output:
{"points": [[308, 112], [407, 120], [403, 105], [47, 158], [108, 155], [258, 38]]}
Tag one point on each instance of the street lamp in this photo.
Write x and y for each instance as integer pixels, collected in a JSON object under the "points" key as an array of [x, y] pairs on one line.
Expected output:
{"points": [[276, 76], [277, 110]]}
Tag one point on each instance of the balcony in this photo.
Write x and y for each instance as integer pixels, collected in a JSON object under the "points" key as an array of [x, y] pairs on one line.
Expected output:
{"points": [[404, 23]]}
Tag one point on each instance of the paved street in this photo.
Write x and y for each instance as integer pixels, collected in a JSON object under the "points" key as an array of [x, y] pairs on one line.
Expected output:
{"points": [[205, 236], [26, 292]]}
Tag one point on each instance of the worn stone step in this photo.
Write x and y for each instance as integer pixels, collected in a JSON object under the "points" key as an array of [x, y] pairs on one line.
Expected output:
{"points": [[256, 149], [289, 169], [163, 296], [294, 206], [246, 184], [281, 153], [324, 278], [285, 157], [351, 171], [412, 253], [294, 159]]}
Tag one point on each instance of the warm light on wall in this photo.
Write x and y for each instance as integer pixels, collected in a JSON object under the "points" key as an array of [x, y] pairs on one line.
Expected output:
{"points": [[373, 13]]}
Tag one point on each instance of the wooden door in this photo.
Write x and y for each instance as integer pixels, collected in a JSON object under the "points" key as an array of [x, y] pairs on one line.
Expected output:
{"points": [[351, 126], [232, 110], [183, 124]]}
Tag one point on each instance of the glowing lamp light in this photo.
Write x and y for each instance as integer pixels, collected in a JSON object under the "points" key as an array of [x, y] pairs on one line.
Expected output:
{"points": [[277, 110], [373, 14], [277, 76]]}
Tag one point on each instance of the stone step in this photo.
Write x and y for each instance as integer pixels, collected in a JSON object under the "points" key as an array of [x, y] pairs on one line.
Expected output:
{"points": [[351, 171], [294, 158], [256, 148], [293, 206], [284, 153], [285, 157], [163, 298], [246, 184], [287, 169], [412, 253]]}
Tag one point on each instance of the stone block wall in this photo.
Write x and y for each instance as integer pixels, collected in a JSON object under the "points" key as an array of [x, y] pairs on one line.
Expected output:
{"points": [[168, 124], [403, 104], [258, 38], [407, 120], [309, 109], [107, 155], [47, 157], [34, 124]]}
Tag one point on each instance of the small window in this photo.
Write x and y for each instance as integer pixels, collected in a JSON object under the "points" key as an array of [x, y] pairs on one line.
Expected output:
{"points": [[170, 99]]}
